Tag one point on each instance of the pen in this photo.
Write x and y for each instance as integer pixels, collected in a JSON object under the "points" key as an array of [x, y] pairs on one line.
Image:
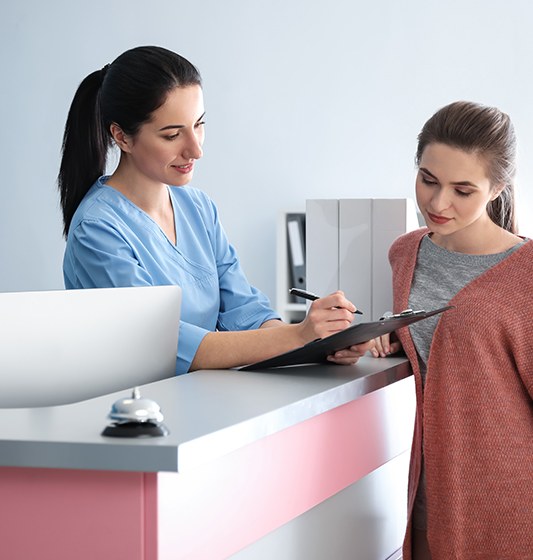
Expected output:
{"points": [[311, 297]]}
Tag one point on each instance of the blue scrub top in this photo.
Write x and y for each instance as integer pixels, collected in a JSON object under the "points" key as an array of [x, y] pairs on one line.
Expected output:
{"points": [[113, 243]]}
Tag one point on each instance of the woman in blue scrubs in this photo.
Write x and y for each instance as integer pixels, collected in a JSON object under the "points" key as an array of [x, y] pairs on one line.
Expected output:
{"points": [[143, 224]]}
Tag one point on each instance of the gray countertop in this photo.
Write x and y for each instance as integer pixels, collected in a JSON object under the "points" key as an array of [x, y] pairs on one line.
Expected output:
{"points": [[208, 413]]}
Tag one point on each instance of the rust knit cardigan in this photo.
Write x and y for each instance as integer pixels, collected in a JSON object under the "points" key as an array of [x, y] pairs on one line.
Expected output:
{"points": [[476, 411]]}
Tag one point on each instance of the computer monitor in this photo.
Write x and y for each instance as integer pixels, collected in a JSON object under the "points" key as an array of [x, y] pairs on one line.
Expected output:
{"points": [[64, 346]]}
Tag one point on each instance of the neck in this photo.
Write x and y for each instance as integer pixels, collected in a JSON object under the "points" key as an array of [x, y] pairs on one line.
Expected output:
{"points": [[150, 196], [483, 237]]}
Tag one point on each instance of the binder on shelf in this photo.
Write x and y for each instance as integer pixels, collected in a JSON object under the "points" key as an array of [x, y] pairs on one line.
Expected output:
{"points": [[296, 252]]}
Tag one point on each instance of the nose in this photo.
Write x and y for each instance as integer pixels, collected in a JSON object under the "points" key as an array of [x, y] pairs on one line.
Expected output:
{"points": [[440, 201], [193, 147]]}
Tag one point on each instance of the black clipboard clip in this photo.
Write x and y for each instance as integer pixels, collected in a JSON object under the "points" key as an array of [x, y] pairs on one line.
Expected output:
{"points": [[405, 313]]}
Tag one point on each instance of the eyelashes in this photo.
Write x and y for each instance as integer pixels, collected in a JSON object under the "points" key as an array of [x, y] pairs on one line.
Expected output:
{"points": [[431, 183], [171, 137]]}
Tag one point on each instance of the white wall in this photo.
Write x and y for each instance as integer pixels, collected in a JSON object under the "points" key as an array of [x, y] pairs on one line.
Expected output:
{"points": [[304, 99]]}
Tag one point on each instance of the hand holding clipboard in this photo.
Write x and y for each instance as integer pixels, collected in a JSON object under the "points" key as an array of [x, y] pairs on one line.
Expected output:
{"points": [[318, 350]]}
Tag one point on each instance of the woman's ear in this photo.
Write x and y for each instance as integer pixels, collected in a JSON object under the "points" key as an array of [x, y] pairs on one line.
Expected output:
{"points": [[122, 140], [496, 192]]}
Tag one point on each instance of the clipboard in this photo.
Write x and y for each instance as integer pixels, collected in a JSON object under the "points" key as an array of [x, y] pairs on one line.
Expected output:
{"points": [[318, 350]]}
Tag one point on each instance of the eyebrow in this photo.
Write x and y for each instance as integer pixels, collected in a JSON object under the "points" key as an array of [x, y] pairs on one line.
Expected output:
{"points": [[458, 183], [169, 126]]}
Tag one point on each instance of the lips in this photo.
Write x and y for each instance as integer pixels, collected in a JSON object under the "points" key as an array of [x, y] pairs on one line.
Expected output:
{"points": [[438, 219], [184, 169]]}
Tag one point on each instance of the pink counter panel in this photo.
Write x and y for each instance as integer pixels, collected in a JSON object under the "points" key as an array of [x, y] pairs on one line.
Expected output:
{"points": [[214, 509]]}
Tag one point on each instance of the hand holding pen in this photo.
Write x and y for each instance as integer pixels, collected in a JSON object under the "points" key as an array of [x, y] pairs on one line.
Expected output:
{"points": [[328, 315], [312, 297]]}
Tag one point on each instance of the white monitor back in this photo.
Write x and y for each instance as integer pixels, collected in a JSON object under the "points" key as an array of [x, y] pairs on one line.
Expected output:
{"points": [[347, 245], [63, 346]]}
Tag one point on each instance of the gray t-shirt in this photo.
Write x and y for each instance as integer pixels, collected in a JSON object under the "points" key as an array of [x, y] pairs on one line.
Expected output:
{"points": [[438, 276]]}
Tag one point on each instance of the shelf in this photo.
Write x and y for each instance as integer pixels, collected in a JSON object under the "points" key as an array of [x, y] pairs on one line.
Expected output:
{"points": [[290, 312]]}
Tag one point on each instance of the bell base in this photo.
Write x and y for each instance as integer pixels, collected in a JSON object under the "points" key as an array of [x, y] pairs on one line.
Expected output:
{"points": [[135, 430]]}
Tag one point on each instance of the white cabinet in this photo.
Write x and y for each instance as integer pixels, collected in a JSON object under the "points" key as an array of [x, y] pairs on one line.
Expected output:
{"points": [[348, 241]]}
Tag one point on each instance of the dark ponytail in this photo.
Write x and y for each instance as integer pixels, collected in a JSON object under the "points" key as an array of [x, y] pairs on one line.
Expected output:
{"points": [[125, 92], [85, 146]]}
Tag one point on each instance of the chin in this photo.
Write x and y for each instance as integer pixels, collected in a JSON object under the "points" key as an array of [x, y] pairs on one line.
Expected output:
{"points": [[181, 181]]}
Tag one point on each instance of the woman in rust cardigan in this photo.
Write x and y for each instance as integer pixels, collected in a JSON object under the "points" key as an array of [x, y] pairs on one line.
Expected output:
{"points": [[471, 476]]}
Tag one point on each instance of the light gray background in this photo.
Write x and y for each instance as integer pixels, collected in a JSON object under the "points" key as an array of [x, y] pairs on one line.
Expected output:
{"points": [[304, 99]]}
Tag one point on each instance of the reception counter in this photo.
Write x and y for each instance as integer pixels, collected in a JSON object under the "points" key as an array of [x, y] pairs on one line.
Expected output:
{"points": [[307, 462]]}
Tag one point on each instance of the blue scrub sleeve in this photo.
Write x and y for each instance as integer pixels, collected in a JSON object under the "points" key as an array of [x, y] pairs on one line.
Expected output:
{"points": [[98, 257], [190, 337], [242, 306]]}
